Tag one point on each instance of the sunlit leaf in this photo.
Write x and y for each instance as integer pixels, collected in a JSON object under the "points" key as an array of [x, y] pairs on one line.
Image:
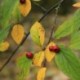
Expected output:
{"points": [[4, 46], [37, 33], [77, 5], [17, 33], [69, 26], [75, 41], [24, 66], [25, 8], [41, 74], [48, 54], [67, 61], [38, 58]]}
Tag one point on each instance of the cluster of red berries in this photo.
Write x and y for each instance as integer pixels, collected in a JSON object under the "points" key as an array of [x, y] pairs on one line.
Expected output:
{"points": [[22, 1], [55, 49]]}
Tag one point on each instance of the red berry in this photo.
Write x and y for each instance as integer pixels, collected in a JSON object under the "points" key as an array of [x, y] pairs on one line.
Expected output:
{"points": [[29, 55], [55, 49], [22, 1]]}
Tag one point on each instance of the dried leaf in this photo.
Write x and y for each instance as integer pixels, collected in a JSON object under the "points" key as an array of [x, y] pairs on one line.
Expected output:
{"points": [[38, 58], [37, 33], [25, 8], [17, 33], [41, 74], [4, 46], [77, 5], [48, 54]]}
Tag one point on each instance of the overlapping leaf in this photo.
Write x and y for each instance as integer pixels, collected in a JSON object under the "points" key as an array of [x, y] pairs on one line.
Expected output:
{"points": [[75, 41], [24, 65], [69, 26], [4, 46], [37, 33], [25, 8], [38, 58], [17, 33], [48, 54], [67, 61], [41, 74]]}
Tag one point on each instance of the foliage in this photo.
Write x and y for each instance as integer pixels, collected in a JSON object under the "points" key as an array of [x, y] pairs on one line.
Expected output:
{"points": [[69, 26], [17, 33], [67, 61], [75, 41], [24, 65], [37, 33], [65, 58]]}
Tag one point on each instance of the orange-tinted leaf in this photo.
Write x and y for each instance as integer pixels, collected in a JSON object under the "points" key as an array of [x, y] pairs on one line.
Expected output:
{"points": [[38, 58], [41, 74], [48, 54], [4, 46], [25, 8], [17, 33]]}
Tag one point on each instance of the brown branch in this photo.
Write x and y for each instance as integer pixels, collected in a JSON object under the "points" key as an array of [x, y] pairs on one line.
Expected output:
{"points": [[14, 52]]}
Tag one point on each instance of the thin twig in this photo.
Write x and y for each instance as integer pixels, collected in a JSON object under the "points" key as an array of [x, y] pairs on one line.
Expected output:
{"points": [[55, 19], [41, 7], [52, 30], [14, 52]]}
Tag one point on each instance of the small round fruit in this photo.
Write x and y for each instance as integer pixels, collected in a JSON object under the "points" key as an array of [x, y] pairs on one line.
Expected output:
{"points": [[29, 55], [55, 49], [22, 1]]}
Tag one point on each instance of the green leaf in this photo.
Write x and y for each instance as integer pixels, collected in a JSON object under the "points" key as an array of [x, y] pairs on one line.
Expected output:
{"points": [[69, 26], [67, 61], [37, 33], [24, 65], [3, 33], [75, 41], [6, 11]]}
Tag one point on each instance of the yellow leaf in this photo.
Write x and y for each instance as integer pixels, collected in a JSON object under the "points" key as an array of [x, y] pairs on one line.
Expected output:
{"points": [[4, 46], [41, 74], [17, 33], [77, 5], [38, 58], [48, 54], [37, 33], [25, 8]]}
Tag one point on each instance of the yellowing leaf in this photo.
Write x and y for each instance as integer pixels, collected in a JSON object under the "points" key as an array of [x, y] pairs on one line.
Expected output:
{"points": [[4, 46], [25, 8], [38, 58], [41, 74], [37, 33], [17, 33], [77, 5], [48, 54]]}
